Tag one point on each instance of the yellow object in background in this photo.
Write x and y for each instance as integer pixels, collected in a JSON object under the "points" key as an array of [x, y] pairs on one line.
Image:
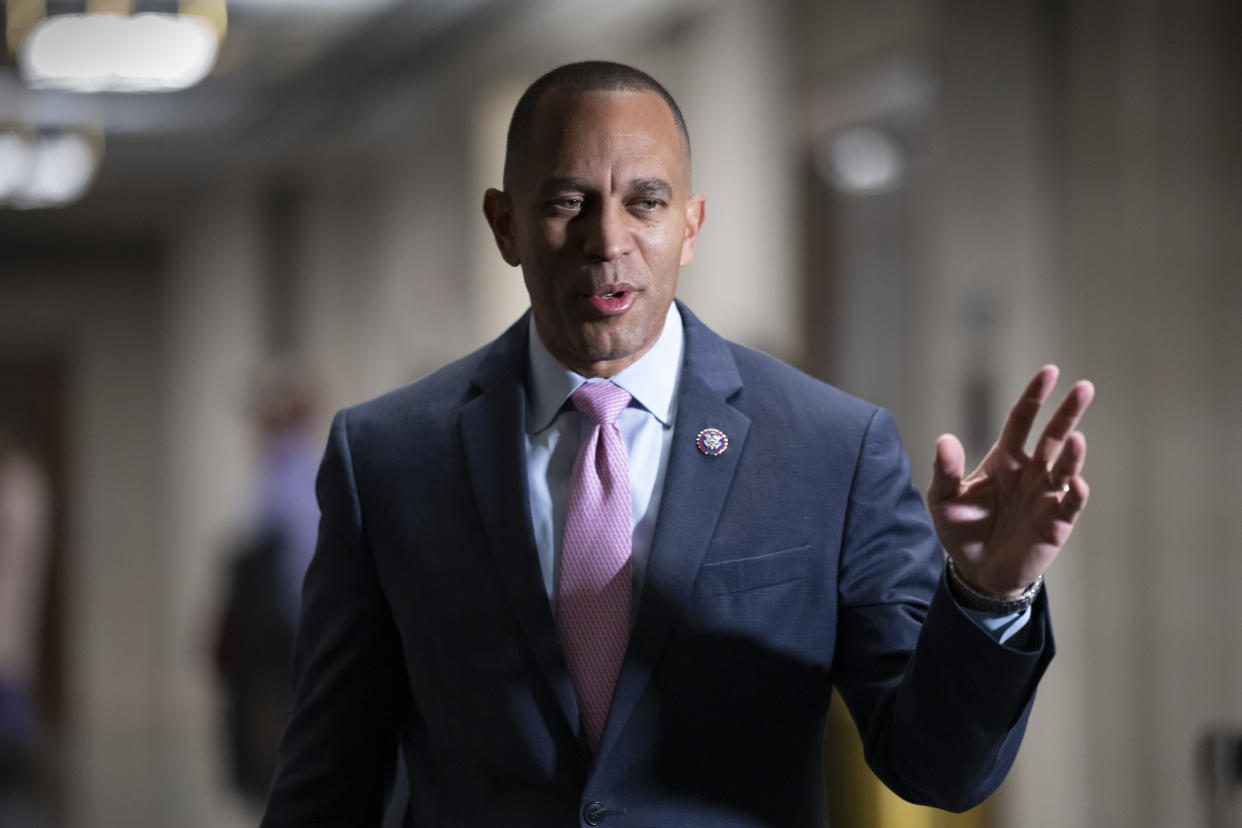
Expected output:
{"points": [[857, 799]]}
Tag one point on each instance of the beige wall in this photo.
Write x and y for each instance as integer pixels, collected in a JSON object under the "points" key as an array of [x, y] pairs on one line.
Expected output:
{"points": [[98, 311]]}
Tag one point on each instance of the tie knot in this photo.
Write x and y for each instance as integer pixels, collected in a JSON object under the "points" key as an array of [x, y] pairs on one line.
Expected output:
{"points": [[600, 402]]}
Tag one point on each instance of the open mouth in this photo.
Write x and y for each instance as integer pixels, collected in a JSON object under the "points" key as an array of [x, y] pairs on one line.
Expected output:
{"points": [[612, 300]]}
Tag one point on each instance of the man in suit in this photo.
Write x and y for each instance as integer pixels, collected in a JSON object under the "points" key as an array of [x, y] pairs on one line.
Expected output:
{"points": [[468, 605]]}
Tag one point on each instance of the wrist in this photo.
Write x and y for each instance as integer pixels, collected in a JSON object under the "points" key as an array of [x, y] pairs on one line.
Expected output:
{"points": [[972, 597]]}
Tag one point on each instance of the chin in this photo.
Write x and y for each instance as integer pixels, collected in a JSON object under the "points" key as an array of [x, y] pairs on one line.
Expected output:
{"points": [[609, 345]]}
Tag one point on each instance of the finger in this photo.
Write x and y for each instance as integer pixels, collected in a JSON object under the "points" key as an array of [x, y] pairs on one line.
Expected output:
{"points": [[1056, 513], [1063, 423], [1075, 500], [1070, 461], [947, 468], [1022, 415]]}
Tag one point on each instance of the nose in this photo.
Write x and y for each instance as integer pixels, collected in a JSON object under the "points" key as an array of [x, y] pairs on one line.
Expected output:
{"points": [[606, 234]]}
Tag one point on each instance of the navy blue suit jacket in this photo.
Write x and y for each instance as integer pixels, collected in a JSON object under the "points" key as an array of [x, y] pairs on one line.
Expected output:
{"points": [[799, 558]]}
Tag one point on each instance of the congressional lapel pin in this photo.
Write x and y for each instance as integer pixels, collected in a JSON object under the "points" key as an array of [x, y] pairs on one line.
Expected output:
{"points": [[712, 442]]}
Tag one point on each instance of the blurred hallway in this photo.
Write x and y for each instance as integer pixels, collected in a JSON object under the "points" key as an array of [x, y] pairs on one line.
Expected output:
{"points": [[918, 201]]}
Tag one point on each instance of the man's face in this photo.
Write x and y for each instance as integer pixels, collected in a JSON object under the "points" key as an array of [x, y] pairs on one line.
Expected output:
{"points": [[600, 218]]}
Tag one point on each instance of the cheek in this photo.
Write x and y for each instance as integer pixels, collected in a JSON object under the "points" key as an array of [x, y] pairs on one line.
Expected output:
{"points": [[542, 240], [659, 240], [662, 252]]}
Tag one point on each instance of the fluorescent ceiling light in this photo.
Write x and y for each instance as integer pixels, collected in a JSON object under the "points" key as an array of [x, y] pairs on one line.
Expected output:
{"points": [[47, 170], [110, 53], [16, 162], [861, 161], [64, 168]]}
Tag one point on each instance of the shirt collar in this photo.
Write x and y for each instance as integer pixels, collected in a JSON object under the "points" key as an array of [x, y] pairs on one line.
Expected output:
{"points": [[651, 380]]}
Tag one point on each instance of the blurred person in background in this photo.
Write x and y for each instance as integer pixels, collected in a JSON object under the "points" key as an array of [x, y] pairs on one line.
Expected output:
{"points": [[264, 586], [24, 528], [493, 594]]}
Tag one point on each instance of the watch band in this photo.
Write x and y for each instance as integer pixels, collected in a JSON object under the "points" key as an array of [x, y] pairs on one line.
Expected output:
{"points": [[973, 599]]}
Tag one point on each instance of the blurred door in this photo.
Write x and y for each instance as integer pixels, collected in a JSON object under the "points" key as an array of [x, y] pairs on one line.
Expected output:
{"points": [[33, 409]]}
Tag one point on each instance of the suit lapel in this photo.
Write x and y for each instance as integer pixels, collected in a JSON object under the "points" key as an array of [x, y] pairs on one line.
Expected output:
{"points": [[695, 488], [493, 438]]}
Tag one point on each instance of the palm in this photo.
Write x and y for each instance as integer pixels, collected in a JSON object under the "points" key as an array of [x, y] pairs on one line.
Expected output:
{"points": [[1005, 522]]}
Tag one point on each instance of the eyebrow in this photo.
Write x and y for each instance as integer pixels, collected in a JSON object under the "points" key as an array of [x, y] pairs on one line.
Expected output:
{"points": [[642, 186], [555, 186], [652, 187]]}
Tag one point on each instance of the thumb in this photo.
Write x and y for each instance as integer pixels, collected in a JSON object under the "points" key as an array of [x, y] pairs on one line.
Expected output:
{"points": [[947, 469]]}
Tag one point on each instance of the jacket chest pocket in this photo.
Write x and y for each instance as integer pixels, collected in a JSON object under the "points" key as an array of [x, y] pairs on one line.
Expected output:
{"points": [[752, 631], [746, 574]]}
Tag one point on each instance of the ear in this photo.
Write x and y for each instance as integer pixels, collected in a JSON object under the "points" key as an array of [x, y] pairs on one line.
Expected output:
{"points": [[499, 212], [696, 211]]}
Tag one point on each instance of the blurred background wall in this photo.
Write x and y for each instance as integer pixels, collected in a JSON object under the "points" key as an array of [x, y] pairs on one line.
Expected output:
{"points": [[919, 200]]}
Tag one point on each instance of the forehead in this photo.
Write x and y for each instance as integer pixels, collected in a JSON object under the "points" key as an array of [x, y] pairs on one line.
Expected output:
{"points": [[590, 129]]}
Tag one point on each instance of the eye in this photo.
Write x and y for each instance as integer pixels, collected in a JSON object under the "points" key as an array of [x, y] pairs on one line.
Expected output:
{"points": [[648, 204], [569, 205]]}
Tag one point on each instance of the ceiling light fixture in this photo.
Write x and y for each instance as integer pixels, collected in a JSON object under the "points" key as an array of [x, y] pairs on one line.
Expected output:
{"points": [[46, 169], [146, 52], [861, 161]]}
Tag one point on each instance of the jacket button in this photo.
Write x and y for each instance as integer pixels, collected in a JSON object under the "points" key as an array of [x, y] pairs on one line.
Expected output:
{"points": [[593, 813]]}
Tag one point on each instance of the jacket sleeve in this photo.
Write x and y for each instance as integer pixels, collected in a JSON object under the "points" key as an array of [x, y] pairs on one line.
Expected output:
{"points": [[339, 751], [941, 707]]}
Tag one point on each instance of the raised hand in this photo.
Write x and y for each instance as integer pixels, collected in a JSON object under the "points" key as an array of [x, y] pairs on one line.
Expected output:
{"points": [[1005, 522]]}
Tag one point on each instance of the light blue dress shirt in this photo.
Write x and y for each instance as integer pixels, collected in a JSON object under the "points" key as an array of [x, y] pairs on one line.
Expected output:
{"points": [[555, 430]]}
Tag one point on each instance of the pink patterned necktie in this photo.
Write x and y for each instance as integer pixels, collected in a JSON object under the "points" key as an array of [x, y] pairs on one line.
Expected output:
{"points": [[593, 602]]}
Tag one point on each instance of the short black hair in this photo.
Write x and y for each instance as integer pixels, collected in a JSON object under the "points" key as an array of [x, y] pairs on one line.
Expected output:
{"points": [[586, 76]]}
